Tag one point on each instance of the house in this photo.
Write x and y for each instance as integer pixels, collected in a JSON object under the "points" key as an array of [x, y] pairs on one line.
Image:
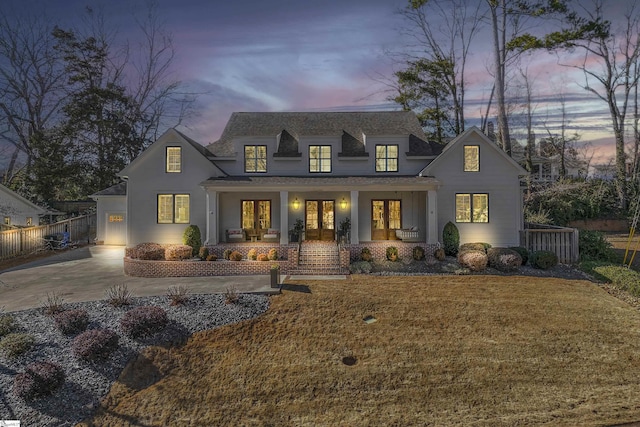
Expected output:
{"points": [[268, 170], [15, 210]]}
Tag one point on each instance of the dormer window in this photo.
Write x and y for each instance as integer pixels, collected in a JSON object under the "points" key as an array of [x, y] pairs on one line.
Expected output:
{"points": [[471, 161], [255, 158], [320, 158], [386, 158], [174, 160]]}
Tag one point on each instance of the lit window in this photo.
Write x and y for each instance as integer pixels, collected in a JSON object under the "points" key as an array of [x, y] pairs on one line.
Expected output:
{"points": [[116, 218], [174, 159], [7, 220], [472, 207], [29, 221], [319, 158], [386, 158], [173, 208], [256, 213], [471, 158], [255, 158]]}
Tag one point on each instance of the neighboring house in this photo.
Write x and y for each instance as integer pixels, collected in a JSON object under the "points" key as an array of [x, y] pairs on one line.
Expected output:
{"points": [[15, 210], [547, 168], [270, 169]]}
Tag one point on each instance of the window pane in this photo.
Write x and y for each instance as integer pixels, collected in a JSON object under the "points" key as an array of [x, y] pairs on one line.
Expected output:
{"points": [[480, 208], [463, 208], [311, 222], [174, 159], [247, 214], [182, 208], [165, 208], [378, 214], [392, 151], [264, 214], [261, 158], [392, 165], [327, 215], [471, 158], [394, 214]]}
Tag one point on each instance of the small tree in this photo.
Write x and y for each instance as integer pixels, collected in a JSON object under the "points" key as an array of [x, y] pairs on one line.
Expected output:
{"points": [[192, 237], [451, 239]]}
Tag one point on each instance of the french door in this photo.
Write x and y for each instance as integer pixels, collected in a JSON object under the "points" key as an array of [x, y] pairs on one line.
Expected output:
{"points": [[386, 218], [256, 214], [320, 220]]}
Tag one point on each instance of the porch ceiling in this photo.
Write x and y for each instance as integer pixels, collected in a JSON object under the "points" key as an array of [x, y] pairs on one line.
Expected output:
{"points": [[322, 183]]}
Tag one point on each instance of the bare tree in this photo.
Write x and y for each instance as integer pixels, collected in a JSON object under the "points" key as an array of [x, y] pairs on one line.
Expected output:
{"points": [[31, 84]]}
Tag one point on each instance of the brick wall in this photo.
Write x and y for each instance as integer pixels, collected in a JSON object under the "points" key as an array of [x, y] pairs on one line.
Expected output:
{"points": [[379, 249], [143, 268]]}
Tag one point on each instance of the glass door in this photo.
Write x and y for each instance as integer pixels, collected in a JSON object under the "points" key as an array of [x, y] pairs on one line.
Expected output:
{"points": [[320, 220], [386, 218]]}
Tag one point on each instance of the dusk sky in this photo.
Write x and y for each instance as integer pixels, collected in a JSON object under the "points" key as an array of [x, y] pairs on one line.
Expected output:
{"points": [[285, 55]]}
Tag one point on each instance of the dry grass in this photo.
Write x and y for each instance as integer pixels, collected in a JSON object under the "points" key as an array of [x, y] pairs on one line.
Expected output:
{"points": [[472, 351]]}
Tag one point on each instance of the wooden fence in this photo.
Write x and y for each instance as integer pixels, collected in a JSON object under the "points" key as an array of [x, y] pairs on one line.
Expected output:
{"points": [[562, 241], [22, 241]]}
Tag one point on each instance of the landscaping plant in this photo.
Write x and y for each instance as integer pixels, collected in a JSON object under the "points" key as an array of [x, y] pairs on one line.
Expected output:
{"points": [[523, 252], [450, 239], [118, 295], [474, 260], [95, 344], [148, 251], [53, 303], [71, 322], [252, 254], [7, 324], [235, 256], [365, 255], [203, 253], [178, 252], [273, 254], [178, 295], [392, 253], [38, 379], [16, 344], [543, 259], [503, 259], [143, 321], [192, 237], [418, 253], [227, 254]]}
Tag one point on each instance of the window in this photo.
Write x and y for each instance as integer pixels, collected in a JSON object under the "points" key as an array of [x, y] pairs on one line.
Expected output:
{"points": [[7, 220], [256, 214], [255, 158], [319, 158], [174, 159], [116, 218], [386, 158], [472, 207], [29, 221], [471, 158], [173, 209]]}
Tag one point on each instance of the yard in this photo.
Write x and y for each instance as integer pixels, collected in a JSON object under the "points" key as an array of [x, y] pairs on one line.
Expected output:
{"points": [[443, 350]]}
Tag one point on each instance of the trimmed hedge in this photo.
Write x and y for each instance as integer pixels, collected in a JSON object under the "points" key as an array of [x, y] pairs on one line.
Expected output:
{"points": [[473, 260], [178, 252], [148, 251], [543, 259], [523, 252], [504, 259]]}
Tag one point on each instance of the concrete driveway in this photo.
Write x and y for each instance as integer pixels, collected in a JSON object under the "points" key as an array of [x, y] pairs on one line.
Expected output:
{"points": [[84, 274]]}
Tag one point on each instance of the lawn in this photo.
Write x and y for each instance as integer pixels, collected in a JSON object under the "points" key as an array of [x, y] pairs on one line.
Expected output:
{"points": [[444, 350]]}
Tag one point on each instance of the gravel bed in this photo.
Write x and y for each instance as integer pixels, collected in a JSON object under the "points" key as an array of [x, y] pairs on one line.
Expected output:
{"points": [[87, 382]]}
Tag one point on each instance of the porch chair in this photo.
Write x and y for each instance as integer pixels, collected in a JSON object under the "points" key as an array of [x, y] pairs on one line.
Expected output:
{"points": [[235, 235], [271, 235]]}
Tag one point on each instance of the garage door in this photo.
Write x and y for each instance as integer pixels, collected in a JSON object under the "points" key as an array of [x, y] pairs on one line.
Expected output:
{"points": [[116, 230]]}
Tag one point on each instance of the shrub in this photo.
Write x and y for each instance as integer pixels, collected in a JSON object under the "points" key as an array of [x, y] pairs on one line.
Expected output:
{"points": [[203, 253], [543, 259], [95, 344], [191, 237], [476, 246], [523, 252], [118, 295], [148, 251], [504, 259], [360, 267], [235, 256], [365, 255], [178, 295], [7, 324], [231, 295], [53, 304], [473, 260], [439, 254], [72, 322], [392, 253], [594, 246], [450, 239], [16, 344], [262, 257], [178, 252], [38, 379], [252, 254], [273, 254], [418, 253], [143, 321], [212, 257], [227, 254]]}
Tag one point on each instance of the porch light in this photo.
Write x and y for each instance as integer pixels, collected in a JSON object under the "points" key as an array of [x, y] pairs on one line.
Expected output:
{"points": [[343, 204], [296, 204]]}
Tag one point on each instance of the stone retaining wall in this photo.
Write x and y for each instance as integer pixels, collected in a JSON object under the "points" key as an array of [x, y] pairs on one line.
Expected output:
{"points": [[379, 249], [144, 268]]}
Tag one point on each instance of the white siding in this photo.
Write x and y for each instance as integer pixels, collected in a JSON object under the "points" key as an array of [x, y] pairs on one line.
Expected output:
{"points": [[105, 206]]}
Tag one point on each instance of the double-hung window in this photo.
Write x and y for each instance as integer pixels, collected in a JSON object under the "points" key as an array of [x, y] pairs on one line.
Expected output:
{"points": [[471, 162], [472, 207], [386, 158], [173, 209], [320, 158], [255, 158], [174, 160]]}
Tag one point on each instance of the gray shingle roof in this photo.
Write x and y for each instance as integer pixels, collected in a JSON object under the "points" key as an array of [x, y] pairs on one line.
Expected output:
{"points": [[299, 124], [119, 189]]}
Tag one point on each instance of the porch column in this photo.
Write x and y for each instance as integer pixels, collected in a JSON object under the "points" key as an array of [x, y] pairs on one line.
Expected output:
{"points": [[284, 217], [432, 217], [212, 218], [355, 239]]}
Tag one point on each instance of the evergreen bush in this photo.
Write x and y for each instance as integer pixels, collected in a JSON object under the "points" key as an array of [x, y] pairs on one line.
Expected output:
{"points": [[38, 379], [504, 259], [143, 321], [71, 322], [365, 255], [523, 252], [203, 253], [95, 344], [543, 259], [16, 344], [392, 253], [418, 253], [192, 237], [473, 260], [178, 252], [450, 239], [252, 254], [273, 254]]}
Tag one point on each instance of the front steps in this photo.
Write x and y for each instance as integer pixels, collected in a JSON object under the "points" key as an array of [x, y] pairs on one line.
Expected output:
{"points": [[318, 258]]}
